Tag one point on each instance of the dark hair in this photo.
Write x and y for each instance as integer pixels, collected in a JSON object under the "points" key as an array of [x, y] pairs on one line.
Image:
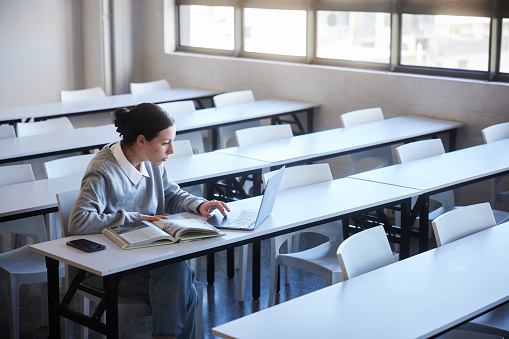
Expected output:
{"points": [[144, 119]]}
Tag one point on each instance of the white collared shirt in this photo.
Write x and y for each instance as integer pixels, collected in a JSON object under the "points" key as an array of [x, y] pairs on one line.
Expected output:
{"points": [[132, 173]]}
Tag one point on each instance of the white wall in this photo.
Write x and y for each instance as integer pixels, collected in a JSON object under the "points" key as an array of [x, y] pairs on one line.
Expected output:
{"points": [[476, 103]]}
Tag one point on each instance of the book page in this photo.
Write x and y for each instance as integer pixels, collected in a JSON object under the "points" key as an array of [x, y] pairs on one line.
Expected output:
{"points": [[179, 226], [139, 232]]}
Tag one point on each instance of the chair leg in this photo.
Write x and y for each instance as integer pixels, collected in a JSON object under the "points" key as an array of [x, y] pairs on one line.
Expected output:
{"points": [[44, 304], [13, 293], [243, 251]]}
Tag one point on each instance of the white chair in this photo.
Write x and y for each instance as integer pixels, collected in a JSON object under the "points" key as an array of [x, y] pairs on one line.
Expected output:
{"points": [[127, 307], [21, 266], [364, 251], [382, 154], [60, 168], [458, 224], [185, 107], [320, 260], [433, 147], [491, 134], [138, 88], [82, 94], [226, 133], [25, 129], [7, 131]]}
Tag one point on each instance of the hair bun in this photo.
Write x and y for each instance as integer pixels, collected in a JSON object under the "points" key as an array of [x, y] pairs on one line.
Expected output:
{"points": [[121, 119]]}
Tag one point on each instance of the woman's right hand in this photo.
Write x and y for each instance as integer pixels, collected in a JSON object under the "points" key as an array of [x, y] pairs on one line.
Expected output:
{"points": [[153, 217]]}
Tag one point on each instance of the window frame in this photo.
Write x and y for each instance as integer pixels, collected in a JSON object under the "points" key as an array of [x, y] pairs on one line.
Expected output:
{"points": [[496, 10]]}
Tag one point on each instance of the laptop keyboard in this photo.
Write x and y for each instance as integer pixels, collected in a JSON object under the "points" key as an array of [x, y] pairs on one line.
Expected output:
{"points": [[243, 220]]}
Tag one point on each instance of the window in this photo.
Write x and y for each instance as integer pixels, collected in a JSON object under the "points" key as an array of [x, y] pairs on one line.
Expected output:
{"points": [[356, 36], [445, 41], [206, 27], [275, 31], [459, 38]]}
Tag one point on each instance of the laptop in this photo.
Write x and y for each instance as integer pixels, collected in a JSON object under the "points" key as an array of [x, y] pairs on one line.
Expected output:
{"points": [[248, 220]]}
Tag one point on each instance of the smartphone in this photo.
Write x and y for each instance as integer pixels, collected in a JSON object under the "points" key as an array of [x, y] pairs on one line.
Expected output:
{"points": [[86, 245]]}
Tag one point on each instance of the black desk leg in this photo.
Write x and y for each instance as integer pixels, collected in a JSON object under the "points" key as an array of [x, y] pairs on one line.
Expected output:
{"points": [[256, 269], [110, 284], [452, 139], [210, 268], [405, 230], [53, 297], [310, 120], [215, 139], [423, 223]]}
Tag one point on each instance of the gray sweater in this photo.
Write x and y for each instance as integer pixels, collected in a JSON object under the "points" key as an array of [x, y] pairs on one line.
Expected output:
{"points": [[108, 198]]}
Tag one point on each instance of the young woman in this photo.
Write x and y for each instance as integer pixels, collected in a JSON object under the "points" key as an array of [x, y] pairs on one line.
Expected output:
{"points": [[126, 182]]}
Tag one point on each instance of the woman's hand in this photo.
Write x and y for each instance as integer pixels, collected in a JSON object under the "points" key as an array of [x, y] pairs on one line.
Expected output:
{"points": [[209, 206], [153, 217]]}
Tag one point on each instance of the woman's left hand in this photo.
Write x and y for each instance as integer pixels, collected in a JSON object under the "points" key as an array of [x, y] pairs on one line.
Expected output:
{"points": [[209, 206]]}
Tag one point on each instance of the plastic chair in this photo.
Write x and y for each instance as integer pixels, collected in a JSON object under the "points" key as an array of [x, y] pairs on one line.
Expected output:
{"points": [[226, 133], [21, 266], [461, 223], [7, 131], [359, 117], [320, 260], [364, 251], [182, 107], [60, 168], [491, 134], [138, 88], [127, 307], [432, 147], [82, 94], [259, 134], [25, 129]]}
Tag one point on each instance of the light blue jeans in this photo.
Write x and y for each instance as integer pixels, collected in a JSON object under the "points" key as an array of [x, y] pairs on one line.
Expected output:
{"points": [[171, 293]]}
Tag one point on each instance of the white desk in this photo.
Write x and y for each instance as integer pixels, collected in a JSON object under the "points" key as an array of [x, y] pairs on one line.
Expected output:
{"points": [[338, 141], [444, 172], [112, 102], [415, 298], [39, 197], [112, 264]]}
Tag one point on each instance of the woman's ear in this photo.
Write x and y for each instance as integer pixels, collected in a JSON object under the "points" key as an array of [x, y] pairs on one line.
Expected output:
{"points": [[140, 140]]}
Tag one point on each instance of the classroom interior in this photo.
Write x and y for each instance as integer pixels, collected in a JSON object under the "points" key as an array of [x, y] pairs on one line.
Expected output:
{"points": [[54, 45]]}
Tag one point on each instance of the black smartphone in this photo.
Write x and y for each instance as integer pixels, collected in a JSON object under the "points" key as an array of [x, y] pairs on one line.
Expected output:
{"points": [[86, 245]]}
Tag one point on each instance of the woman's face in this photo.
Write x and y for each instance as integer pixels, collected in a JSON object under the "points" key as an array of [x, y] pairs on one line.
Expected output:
{"points": [[158, 149]]}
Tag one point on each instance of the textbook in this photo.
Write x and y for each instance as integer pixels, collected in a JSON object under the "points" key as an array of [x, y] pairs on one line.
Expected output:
{"points": [[161, 232]]}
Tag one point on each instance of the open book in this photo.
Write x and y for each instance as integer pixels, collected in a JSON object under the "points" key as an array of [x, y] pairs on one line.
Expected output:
{"points": [[162, 232]]}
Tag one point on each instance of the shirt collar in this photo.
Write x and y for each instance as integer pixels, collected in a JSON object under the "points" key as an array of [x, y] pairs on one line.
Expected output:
{"points": [[132, 173]]}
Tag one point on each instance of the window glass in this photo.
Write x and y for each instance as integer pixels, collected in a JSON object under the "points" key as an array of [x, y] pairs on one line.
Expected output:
{"points": [[207, 26], [358, 36], [504, 57], [275, 31], [457, 42]]}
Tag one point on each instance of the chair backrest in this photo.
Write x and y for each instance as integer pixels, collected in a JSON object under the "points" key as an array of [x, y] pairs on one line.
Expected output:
{"points": [[67, 166], [65, 201], [15, 174], [364, 251], [419, 150], [496, 132], [7, 131], [149, 86], [178, 107], [233, 98], [361, 116], [259, 134], [462, 222], [32, 227], [24, 129], [82, 94], [181, 148], [303, 175]]}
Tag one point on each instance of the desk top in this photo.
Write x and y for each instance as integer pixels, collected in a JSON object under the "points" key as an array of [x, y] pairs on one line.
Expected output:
{"points": [[445, 170], [413, 298], [343, 140], [111, 102], [337, 198], [22, 198], [205, 118]]}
